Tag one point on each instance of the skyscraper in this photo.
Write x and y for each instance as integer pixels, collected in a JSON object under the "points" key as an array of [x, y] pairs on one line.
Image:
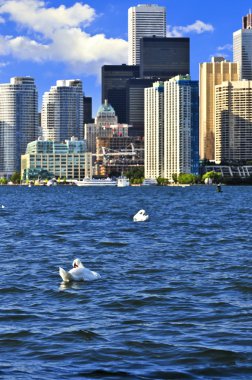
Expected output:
{"points": [[144, 20], [18, 121], [154, 131], [114, 79], [242, 47], [164, 57], [135, 104], [87, 104], [233, 122], [171, 128], [62, 111], [180, 124], [212, 74]]}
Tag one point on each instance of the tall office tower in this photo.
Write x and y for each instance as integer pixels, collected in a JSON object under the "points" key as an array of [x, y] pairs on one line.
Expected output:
{"points": [[154, 131], [18, 121], [211, 74], [242, 48], [144, 20], [114, 79], [181, 100], [233, 121], [247, 21], [62, 111], [163, 57], [87, 104], [135, 104]]}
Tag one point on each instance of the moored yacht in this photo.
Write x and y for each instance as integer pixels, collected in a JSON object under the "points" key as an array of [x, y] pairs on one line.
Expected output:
{"points": [[123, 181], [96, 182]]}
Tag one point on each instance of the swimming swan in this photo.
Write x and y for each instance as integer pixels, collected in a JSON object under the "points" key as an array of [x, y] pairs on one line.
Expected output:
{"points": [[78, 273], [140, 216]]}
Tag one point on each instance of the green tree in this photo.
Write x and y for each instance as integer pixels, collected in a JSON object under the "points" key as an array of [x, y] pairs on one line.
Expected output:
{"points": [[15, 178], [215, 177], [186, 178], [175, 177], [162, 181], [136, 172], [3, 181]]}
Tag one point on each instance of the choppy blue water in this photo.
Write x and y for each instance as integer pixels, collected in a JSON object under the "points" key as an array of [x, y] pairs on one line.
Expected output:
{"points": [[174, 300]]}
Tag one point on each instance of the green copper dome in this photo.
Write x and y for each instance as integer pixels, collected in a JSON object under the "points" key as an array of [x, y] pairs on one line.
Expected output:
{"points": [[106, 108]]}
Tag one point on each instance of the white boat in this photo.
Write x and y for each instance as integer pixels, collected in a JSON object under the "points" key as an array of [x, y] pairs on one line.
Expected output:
{"points": [[149, 182], [96, 182], [123, 181], [52, 182], [141, 216]]}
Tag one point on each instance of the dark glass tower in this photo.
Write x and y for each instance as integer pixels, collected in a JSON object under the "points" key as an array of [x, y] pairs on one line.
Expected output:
{"points": [[135, 104], [114, 79], [87, 114], [164, 57]]}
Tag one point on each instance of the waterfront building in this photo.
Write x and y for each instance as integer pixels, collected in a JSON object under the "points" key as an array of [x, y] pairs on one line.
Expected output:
{"points": [[154, 131], [62, 111], [181, 126], [171, 128], [242, 48], [211, 74], [105, 117], [18, 121], [68, 160], [164, 57], [118, 154], [144, 20], [114, 79], [233, 122]]}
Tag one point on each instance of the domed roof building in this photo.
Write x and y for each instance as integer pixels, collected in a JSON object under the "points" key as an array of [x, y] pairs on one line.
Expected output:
{"points": [[106, 115]]}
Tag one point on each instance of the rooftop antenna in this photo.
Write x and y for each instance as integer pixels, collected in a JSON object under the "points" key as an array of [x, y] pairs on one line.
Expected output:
{"points": [[250, 11]]}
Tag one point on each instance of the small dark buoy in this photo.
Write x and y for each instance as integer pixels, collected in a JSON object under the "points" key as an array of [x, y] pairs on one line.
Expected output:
{"points": [[219, 188]]}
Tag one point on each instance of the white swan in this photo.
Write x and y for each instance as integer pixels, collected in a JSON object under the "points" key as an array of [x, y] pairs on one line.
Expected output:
{"points": [[140, 216], [2, 206], [78, 273]]}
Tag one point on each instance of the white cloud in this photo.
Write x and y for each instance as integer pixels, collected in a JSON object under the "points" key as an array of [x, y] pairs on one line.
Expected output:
{"points": [[228, 47], [33, 14], [61, 38], [197, 27]]}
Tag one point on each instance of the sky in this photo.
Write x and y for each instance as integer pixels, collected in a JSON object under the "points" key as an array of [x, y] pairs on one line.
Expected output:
{"points": [[66, 39]]}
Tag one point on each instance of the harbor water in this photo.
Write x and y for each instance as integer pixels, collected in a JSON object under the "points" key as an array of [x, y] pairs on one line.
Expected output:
{"points": [[175, 296]]}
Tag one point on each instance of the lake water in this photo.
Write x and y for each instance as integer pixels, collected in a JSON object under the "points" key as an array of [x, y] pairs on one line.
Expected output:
{"points": [[174, 300]]}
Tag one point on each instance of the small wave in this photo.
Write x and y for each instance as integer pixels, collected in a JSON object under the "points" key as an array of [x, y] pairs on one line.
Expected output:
{"points": [[113, 243]]}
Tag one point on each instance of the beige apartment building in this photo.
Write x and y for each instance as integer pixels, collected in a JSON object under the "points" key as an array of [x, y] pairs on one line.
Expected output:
{"points": [[233, 122], [211, 74]]}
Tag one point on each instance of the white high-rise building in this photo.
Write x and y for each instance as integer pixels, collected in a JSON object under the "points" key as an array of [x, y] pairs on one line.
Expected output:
{"points": [[62, 111], [242, 48], [144, 20], [171, 128], [18, 121], [154, 131], [177, 126]]}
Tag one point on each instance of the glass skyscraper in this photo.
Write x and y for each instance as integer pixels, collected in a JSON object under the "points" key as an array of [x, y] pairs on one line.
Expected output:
{"points": [[18, 121], [242, 48], [144, 20], [62, 111]]}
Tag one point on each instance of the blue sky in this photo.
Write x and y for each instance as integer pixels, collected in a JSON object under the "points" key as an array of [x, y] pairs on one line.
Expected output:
{"points": [[65, 39]]}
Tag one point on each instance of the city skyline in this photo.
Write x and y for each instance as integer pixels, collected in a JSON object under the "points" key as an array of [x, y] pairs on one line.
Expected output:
{"points": [[59, 39]]}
